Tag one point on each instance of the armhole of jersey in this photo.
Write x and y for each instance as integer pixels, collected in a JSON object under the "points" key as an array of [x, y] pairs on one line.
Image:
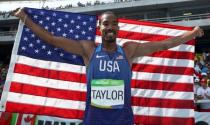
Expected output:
{"points": [[121, 50], [97, 49]]}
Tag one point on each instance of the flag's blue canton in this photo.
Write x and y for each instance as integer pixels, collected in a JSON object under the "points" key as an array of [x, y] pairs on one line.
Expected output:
{"points": [[69, 25]]}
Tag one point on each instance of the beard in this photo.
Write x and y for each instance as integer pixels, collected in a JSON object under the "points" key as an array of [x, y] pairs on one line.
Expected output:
{"points": [[110, 36]]}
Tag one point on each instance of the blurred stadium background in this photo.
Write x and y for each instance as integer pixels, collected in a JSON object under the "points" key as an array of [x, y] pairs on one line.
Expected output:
{"points": [[178, 12]]}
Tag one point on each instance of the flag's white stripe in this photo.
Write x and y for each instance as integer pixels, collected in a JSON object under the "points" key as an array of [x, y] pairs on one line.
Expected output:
{"points": [[150, 29], [164, 61], [162, 77], [50, 83], [81, 69], [143, 76], [65, 85], [163, 112], [45, 101], [51, 65], [163, 94], [182, 47], [79, 105]]}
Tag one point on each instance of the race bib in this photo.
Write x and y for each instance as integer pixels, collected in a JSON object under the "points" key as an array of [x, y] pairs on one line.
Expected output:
{"points": [[107, 93]]}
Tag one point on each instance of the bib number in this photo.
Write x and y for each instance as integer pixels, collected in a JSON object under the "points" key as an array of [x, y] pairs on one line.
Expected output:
{"points": [[107, 93]]}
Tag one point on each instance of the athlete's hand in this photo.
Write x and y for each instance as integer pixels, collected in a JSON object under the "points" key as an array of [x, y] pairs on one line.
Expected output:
{"points": [[198, 31], [19, 12]]}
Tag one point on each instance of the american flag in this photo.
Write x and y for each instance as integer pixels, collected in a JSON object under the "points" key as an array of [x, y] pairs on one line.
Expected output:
{"points": [[46, 80]]}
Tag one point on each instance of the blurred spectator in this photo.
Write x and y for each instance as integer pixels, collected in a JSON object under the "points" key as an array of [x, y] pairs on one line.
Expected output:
{"points": [[80, 4], [208, 57], [88, 4], [205, 68], [3, 74], [97, 2], [203, 93], [196, 86], [204, 75]]}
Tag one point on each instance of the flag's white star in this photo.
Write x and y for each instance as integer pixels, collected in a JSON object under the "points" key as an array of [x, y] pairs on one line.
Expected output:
{"points": [[42, 13], [31, 45], [46, 27], [58, 29], [27, 29], [61, 54], [38, 41], [53, 23], [35, 16], [54, 14], [91, 19], [79, 17], [25, 39], [36, 51], [32, 35], [23, 48], [83, 32], [72, 21], [40, 22], [66, 16], [90, 28], [49, 52], [78, 27], [60, 20], [65, 25], [71, 30], [84, 23], [76, 36], [48, 18], [64, 35], [43, 47], [74, 56], [89, 38]]}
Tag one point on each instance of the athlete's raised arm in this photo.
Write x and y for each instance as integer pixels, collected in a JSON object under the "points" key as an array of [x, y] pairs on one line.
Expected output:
{"points": [[83, 48], [134, 50]]}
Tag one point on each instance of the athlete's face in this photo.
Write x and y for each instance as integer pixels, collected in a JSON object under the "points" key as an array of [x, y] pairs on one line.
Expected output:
{"points": [[109, 27]]}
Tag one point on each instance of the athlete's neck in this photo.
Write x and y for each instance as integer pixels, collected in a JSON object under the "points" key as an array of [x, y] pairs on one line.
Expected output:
{"points": [[109, 47]]}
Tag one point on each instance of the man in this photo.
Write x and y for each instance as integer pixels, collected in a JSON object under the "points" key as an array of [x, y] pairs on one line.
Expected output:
{"points": [[108, 67], [203, 93]]}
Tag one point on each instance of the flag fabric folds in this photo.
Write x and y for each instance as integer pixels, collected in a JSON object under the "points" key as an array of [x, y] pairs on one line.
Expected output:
{"points": [[46, 80]]}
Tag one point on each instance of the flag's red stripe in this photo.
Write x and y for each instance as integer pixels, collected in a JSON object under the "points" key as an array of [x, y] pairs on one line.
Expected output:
{"points": [[155, 24], [162, 69], [24, 69], [47, 92], [162, 103], [142, 36], [52, 74], [81, 96], [81, 78], [156, 85], [174, 55], [157, 120], [43, 110]]}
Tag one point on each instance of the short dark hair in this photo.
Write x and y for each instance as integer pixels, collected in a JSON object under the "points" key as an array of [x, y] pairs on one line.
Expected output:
{"points": [[107, 12], [201, 123]]}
